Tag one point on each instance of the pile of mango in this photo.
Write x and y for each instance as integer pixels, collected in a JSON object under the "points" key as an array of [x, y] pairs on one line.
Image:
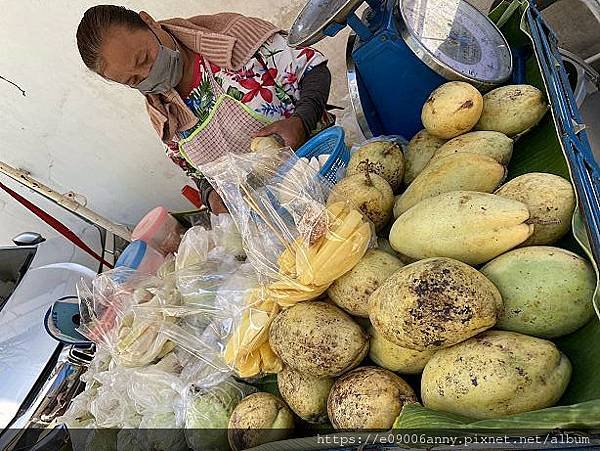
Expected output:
{"points": [[468, 291]]}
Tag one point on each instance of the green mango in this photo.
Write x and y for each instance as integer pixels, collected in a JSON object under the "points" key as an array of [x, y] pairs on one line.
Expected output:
{"points": [[547, 291]]}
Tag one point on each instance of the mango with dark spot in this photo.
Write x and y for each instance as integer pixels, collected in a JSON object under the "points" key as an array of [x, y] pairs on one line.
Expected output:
{"points": [[259, 418], [318, 339], [459, 171], [452, 109], [495, 374], [381, 157], [434, 303], [495, 145], [419, 151], [368, 398], [368, 192], [551, 202], [353, 290], [469, 226], [512, 109], [396, 358], [306, 395]]}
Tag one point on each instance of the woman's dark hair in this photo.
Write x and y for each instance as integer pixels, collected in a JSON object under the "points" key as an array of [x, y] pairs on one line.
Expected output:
{"points": [[95, 22]]}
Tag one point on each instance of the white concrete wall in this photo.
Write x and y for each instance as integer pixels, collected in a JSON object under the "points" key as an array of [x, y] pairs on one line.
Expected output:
{"points": [[76, 132]]}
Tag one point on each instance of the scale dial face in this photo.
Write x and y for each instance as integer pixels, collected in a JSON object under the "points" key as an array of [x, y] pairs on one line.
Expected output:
{"points": [[457, 39]]}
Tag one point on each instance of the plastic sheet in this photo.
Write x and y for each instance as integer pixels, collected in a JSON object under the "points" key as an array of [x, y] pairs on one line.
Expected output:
{"points": [[297, 239]]}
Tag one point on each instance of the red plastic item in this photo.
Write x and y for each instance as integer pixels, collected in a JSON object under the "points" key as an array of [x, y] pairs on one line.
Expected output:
{"points": [[192, 195]]}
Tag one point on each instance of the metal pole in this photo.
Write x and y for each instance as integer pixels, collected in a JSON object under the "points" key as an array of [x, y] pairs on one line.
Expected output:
{"points": [[25, 179]]}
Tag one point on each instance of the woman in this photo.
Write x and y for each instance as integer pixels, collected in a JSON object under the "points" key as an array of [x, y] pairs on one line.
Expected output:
{"points": [[210, 82]]}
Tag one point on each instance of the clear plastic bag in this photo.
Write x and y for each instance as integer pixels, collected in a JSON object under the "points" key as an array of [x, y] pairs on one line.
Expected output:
{"points": [[110, 296], [167, 268], [150, 316], [122, 397], [157, 388], [297, 239], [101, 362], [396, 139], [194, 248], [228, 236], [222, 242], [205, 349], [198, 284], [111, 407], [150, 406], [78, 415], [110, 315], [207, 413]]}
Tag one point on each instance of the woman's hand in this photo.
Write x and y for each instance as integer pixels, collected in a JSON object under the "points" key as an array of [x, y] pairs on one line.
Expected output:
{"points": [[291, 131], [216, 203]]}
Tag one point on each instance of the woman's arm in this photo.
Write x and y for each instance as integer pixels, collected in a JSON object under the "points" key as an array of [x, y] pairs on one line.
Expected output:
{"points": [[314, 92], [205, 189], [209, 196]]}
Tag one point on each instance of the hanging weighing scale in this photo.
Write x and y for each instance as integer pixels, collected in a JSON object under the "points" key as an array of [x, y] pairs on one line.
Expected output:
{"points": [[401, 50]]}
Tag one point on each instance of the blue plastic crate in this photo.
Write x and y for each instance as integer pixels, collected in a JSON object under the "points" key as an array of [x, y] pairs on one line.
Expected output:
{"points": [[585, 171], [329, 142]]}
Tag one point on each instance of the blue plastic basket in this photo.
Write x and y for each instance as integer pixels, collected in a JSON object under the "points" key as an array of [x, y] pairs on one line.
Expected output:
{"points": [[329, 142]]}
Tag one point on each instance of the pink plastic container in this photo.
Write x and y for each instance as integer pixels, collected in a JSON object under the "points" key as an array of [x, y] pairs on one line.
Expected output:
{"points": [[141, 257], [160, 230]]}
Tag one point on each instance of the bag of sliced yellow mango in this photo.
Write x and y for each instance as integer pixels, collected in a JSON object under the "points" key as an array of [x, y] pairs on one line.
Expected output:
{"points": [[296, 241]]}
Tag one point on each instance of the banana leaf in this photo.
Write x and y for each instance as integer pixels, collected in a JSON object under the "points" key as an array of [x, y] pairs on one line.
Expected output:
{"points": [[560, 417], [540, 150], [268, 384]]}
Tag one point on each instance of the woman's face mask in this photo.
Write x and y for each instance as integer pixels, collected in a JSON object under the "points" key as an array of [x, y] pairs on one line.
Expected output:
{"points": [[166, 72]]}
